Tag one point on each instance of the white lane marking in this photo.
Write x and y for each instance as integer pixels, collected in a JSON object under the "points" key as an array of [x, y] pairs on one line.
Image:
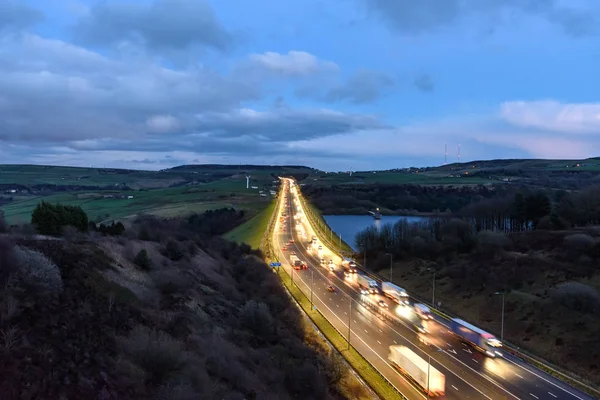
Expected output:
{"points": [[455, 388], [395, 342], [378, 342], [519, 376], [475, 360], [544, 379], [338, 305], [552, 394], [366, 331], [345, 313], [533, 395]]}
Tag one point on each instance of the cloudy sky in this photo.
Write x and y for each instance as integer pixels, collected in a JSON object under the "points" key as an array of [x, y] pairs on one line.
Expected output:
{"points": [[333, 84]]}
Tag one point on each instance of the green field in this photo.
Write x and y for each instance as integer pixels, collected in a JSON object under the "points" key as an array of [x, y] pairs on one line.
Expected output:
{"points": [[169, 202], [395, 177], [252, 231]]}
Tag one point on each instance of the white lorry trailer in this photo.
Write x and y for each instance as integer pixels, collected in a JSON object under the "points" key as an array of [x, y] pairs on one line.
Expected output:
{"points": [[418, 370], [395, 293], [367, 284]]}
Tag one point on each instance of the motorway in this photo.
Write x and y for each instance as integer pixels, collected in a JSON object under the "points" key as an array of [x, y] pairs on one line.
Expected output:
{"points": [[469, 374]]}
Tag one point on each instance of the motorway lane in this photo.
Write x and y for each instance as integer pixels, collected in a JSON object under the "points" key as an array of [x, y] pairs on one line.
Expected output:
{"points": [[513, 378], [370, 336]]}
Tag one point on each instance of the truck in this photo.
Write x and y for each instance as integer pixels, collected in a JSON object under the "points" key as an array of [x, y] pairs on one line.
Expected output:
{"points": [[476, 337], [423, 311], [418, 370], [395, 293], [299, 264], [349, 264], [367, 284]]}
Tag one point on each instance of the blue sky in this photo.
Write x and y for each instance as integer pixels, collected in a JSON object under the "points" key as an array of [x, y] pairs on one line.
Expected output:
{"points": [[338, 84]]}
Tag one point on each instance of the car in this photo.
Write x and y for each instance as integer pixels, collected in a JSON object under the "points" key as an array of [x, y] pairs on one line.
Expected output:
{"points": [[284, 248], [330, 288], [320, 247], [330, 262], [322, 261], [331, 268], [382, 304], [292, 241], [293, 253]]}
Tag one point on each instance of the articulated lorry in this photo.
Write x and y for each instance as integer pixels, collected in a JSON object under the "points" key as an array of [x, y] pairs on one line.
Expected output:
{"points": [[394, 292], [367, 284], [418, 370], [478, 338]]}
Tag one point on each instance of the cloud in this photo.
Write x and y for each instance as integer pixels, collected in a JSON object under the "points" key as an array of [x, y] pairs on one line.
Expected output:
{"points": [[424, 82], [292, 64], [15, 16], [553, 116], [363, 86], [162, 25], [425, 16]]}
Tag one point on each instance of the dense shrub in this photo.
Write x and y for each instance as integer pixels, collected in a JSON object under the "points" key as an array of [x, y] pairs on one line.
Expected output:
{"points": [[174, 250], [579, 241], [491, 243], [156, 352], [142, 260], [256, 317], [114, 229], [37, 271], [3, 226], [577, 296], [50, 219]]}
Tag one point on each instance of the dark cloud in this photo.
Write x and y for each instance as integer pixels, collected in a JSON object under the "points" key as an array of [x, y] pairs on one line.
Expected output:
{"points": [[15, 16], [425, 83], [418, 17], [162, 25], [364, 86]]}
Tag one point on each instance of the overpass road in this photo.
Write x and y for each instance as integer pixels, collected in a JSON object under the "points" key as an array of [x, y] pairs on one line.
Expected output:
{"points": [[372, 328]]}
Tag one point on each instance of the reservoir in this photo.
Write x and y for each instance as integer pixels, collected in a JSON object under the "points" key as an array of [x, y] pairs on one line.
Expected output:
{"points": [[349, 225]]}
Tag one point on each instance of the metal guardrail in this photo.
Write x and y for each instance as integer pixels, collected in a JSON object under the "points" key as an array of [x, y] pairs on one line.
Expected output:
{"points": [[512, 349]]}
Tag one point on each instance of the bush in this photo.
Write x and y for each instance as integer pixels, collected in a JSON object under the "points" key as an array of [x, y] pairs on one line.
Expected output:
{"points": [[8, 264], [156, 352], [256, 317], [3, 226], [490, 242], [174, 251], [37, 271], [579, 241], [577, 296], [142, 260]]}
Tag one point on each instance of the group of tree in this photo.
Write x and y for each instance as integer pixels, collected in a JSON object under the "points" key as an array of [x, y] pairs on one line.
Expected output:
{"points": [[345, 199], [52, 219], [114, 229], [215, 222]]}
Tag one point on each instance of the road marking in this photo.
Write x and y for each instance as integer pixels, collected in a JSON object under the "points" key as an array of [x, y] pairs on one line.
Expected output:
{"points": [[355, 322], [455, 388], [345, 313], [467, 351], [519, 376], [475, 360], [395, 342], [338, 305], [380, 331], [552, 394], [366, 331], [378, 342], [533, 395], [448, 344]]}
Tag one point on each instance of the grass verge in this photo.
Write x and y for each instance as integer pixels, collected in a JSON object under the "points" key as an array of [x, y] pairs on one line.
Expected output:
{"points": [[360, 365], [251, 232], [323, 230]]}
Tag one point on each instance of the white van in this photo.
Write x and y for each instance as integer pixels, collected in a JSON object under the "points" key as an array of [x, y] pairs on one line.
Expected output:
{"points": [[423, 311]]}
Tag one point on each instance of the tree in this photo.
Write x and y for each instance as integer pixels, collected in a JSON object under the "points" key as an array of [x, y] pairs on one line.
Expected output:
{"points": [[50, 219], [2, 222], [142, 260]]}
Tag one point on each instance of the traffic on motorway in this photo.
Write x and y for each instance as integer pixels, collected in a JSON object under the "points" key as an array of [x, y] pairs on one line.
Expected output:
{"points": [[419, 353]]}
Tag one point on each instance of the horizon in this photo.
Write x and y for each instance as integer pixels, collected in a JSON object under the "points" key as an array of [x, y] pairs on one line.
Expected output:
{"points": [[153, 84]]}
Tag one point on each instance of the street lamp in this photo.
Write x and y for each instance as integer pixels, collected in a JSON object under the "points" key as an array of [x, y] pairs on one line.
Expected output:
{"points": [[433, 286], [502, 320], [391, 264], [312, 276]]}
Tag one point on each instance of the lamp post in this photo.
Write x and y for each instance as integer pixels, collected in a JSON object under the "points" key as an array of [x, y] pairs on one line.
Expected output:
{"points": [[433, 287], [391, 264], [503, 293], [312, 275]]}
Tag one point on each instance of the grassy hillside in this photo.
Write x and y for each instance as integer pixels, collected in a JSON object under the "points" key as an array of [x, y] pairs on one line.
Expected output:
{"points": [[252, 231]]}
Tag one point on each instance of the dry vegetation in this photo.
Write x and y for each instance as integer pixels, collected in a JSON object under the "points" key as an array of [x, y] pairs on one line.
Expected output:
{"points": [[203, 318]]}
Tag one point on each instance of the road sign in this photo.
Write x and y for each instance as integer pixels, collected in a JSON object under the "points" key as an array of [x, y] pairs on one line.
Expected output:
{"points": [[275, 264]]}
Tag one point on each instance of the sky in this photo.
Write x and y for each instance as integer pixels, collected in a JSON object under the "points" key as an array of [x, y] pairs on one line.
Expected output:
{"points": [[335, 85]]}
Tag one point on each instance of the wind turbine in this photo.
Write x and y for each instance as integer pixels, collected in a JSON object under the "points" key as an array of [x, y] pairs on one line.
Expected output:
{"points": [[248, 181]]}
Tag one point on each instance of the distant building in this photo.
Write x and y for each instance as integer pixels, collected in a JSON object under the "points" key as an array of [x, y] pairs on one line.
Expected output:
{"points": [[130, 197], [254, 187]]}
